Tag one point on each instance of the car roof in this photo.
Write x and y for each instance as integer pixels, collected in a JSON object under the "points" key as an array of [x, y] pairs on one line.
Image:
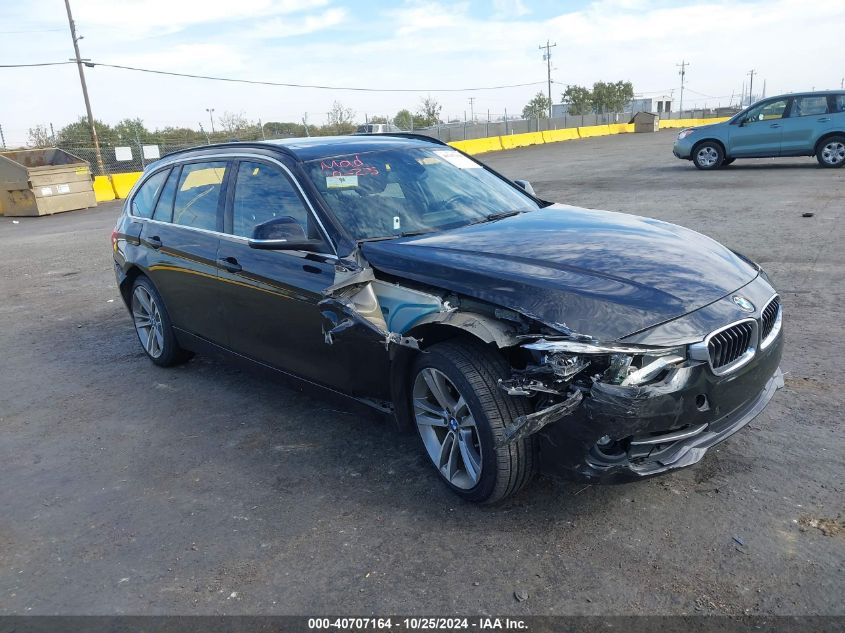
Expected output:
{"points": [[804, 94], [314, 147]]}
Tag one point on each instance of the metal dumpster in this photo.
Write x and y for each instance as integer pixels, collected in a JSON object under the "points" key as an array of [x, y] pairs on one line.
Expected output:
{"points": [[44, 181]]}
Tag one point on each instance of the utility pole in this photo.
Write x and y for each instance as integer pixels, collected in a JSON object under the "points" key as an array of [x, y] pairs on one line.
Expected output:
{"points": [[547, 57], [751, 86], [211, 116], [207, 140], [683, 72], [78, 61], [472, 109], [2, 138]]}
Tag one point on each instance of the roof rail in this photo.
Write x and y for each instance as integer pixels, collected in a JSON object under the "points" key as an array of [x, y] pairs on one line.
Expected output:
{"points": [[410, 135], [228, 144]]}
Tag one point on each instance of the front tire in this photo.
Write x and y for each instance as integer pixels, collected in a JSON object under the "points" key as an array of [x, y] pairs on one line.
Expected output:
{"points": [[831, 152], [461, 413], [708, 155], [153, 326]]}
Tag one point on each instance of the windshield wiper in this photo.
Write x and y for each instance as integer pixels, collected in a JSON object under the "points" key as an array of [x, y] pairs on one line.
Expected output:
{"points": [[492, 217]]}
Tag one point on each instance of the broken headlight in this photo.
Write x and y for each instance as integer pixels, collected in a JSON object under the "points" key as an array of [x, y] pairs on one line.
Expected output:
{"points": [[626, 365]]}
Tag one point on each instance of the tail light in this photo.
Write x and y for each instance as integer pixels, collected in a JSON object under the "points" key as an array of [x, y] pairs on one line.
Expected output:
{"points": [[114, 240]]}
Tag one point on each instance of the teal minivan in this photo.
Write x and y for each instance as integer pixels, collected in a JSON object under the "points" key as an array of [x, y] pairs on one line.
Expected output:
{"points": [[803, 124]]}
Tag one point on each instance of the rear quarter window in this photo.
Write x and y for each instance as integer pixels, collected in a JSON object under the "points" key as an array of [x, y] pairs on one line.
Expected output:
{"points": [[144, 199]]}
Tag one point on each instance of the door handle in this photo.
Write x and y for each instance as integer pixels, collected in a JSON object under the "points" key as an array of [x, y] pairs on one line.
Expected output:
{"points": [[154, 242], [775, 125], [824, 119], [230, 264], [311, 269]]}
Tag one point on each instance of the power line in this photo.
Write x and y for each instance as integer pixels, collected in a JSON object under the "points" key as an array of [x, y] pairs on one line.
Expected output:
{"points": [[315, 86], [38, 64]]}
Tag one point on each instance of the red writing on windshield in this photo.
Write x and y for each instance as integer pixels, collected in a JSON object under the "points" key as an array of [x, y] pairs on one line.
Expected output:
{"points": [[353, 166]]}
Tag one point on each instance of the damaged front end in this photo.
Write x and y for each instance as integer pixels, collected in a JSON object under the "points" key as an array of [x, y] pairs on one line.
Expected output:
{"points": [[643, 411], [601, 411]]}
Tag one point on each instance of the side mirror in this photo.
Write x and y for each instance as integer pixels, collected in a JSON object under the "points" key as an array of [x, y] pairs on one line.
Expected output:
{"points": [[525, 185], [282, 234]]}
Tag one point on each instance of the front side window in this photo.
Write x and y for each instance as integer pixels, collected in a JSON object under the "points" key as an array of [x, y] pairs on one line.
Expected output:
{"points": [[198, 195], [144, 199], [399, 191], [808, 106], [767, 111], [263, 193]]}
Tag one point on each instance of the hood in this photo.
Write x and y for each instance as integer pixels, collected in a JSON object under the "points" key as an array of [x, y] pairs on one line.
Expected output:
{"points": [[593, 272]]}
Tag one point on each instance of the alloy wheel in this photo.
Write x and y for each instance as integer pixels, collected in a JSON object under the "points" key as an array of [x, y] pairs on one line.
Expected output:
{"points": [[447, 428], [707, 156], [833, 153], [147, 318]]}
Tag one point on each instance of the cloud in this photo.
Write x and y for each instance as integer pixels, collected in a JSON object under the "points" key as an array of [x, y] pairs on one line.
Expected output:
{"points": [[510, 8], [417, 44], [279, 28]]}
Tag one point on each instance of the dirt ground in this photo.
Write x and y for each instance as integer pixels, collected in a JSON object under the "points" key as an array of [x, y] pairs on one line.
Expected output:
{"points": [[129, 489]]}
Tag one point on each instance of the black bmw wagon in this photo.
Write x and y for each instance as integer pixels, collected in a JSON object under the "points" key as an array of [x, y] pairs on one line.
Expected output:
{"points": [[513, 334]]}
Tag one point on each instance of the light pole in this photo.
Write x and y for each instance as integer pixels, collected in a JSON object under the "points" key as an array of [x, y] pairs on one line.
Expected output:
{"points": [[78, 61], [211, 116]]}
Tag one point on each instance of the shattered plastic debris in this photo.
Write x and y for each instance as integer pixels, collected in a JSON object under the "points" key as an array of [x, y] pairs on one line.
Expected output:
{"points": [[528, 424]]}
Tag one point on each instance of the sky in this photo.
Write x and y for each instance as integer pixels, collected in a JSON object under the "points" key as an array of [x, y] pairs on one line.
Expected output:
{"points": [[421, 45]]}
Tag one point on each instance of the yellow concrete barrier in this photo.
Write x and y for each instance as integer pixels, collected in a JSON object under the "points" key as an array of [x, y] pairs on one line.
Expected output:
{"points": [[479, 145], [555, 136], [123, 182], [593, 130], [522, 140], [103, 190], [620, 128]]}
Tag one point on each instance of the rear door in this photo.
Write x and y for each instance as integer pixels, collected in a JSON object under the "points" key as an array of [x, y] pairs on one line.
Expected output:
{"points": [[809, 118], [181, 240], [761, 132]]}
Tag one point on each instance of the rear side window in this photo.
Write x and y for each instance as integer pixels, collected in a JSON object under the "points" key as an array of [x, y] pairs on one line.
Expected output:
{"points": [[164, 207], [145, 198], [262, 193], [198, 195], [809, 106], [839, 103]]}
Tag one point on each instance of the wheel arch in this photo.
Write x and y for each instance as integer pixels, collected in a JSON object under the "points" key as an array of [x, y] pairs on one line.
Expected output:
{"points": [[428, 334], [718, 142], [824, 137], [130, 275]]}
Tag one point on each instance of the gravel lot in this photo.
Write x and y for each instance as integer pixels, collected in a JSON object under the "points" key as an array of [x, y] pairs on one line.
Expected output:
{"points": [[125, 488]]}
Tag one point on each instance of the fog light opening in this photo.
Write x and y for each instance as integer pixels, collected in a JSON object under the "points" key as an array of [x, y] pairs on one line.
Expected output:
{"points": [[702, 403]]}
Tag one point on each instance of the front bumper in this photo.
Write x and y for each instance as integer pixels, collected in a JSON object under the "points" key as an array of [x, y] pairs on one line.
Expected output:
{"points": [[682, 149], [659, 427]]}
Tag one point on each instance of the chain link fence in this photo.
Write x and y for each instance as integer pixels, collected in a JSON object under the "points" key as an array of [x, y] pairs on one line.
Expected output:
{"points": [[135, 156]]}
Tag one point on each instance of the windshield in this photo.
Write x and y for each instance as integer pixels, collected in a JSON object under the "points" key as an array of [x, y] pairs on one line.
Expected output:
{"points": [[400, 191]]}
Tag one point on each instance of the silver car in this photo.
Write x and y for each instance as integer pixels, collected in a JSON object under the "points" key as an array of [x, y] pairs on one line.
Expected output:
{"points": [[805, 124]]}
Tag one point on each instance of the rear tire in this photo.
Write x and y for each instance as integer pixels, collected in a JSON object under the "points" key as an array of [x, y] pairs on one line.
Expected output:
{"points": [[153, 326], [831, 152], [473, 411], [708, 155]]}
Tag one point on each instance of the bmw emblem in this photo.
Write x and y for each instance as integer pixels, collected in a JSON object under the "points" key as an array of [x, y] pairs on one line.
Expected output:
{"points": [[743, 304]]}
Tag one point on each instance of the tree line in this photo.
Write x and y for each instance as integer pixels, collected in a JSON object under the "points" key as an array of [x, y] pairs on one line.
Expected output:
{"points": [[230, 126], [601, 98]]}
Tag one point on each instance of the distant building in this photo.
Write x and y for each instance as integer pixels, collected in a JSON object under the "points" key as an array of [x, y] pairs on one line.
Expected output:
{"points": [[655, 105]]}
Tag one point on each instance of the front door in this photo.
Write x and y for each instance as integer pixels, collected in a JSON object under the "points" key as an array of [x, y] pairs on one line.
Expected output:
{"points": [[759, 132], [270, 297]]}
